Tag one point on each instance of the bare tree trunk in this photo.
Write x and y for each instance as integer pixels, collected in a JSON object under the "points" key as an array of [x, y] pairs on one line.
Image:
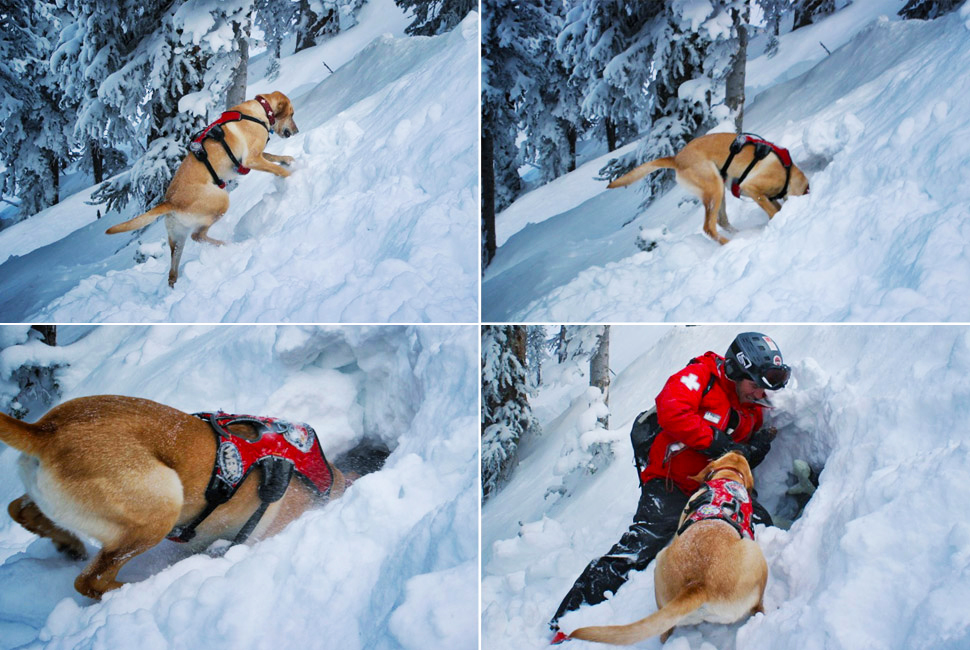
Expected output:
{"points": [[571, 139], [610, 135], [488, 197], [236, 93], [599, 371], [97, 162], [561, 344], [734, 91]]}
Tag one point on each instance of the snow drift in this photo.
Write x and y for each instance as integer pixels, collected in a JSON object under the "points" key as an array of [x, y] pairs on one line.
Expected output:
{"points": [[392, 564], [880, 557]]}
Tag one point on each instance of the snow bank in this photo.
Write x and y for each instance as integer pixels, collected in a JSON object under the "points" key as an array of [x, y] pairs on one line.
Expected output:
{"points": [[878, 559], [392, 564]]}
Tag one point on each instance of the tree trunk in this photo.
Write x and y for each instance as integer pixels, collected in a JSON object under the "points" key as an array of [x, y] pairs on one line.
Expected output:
{"points": [[309, 25], [610, 134], [599, 371], [236, 93], [97, 162], [488, 197], [734, 91], [48, 333], [561, 344], [571, 139]]}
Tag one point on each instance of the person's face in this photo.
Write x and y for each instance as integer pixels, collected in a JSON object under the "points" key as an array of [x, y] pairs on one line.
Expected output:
{"points": [[748, 391]]}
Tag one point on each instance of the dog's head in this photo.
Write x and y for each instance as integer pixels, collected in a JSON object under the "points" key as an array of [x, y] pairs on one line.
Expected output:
{"points": [[730, 464], [285, 126], [798, 185]]}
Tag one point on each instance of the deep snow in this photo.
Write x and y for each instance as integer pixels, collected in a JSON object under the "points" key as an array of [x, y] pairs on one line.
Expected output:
{"points": [[880, 129], [879, 559], [377, 223], [392, 564]]}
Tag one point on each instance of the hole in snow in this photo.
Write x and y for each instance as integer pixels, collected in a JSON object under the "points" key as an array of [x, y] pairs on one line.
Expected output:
{"points": [[789, 474]]}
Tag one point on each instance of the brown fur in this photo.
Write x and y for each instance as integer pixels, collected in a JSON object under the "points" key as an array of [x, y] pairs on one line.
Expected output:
{"points": [[710, 565], [125, 471], [193, 202], [698, 167]]}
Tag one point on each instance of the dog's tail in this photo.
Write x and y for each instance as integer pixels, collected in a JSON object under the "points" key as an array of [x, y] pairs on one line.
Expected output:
{"points": [[659, 622], [142, 220], [24, 436], [640, 171]]}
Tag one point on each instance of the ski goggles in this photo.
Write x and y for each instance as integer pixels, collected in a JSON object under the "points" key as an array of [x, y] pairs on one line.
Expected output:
{"points": [[771, 377]]}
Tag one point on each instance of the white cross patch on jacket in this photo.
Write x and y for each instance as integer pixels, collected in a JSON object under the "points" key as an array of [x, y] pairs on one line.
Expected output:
{"points": [[691, 381]]}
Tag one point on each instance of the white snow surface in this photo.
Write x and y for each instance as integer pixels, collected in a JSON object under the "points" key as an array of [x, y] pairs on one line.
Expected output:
{"points": [[880, 557], [378, 222], [393, 564], [879, 128]]}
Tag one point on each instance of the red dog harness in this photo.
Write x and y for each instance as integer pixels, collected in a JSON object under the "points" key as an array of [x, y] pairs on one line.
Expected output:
{"points": [[724, 499], [281, 448], [215, 132], [761, 150]]}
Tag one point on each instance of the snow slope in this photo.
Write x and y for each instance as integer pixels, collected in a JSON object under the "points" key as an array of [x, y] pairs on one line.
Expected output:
{"points": [[392, 564], [879, 128], [377, 223], [880, 557]]}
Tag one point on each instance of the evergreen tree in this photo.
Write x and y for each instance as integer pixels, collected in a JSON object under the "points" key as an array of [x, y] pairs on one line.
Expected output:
{"points": [[607, 46], [506, 414], [536, 350], [926, 9], [435, 16], [276, 19], [808, 12], [184, 67], [34, 131], [509, 72]]}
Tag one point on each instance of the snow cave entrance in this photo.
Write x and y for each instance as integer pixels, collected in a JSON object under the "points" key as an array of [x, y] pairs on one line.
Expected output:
{"points": [[787, 478]]}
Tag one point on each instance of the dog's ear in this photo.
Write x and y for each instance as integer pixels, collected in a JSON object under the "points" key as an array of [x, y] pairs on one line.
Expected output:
{"points": [[282, 104], [700, 476]]}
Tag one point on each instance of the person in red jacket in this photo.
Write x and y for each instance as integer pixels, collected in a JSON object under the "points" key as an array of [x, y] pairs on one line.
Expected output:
{"points": [[711, 407]]}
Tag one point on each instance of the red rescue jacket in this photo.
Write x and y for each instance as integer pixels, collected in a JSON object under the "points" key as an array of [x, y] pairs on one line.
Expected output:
{"points": [[686, 416]]}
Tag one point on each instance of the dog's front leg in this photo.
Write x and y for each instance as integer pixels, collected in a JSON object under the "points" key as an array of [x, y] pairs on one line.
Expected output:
{"points": [[769, 206], [272, 157], [262, 164]]}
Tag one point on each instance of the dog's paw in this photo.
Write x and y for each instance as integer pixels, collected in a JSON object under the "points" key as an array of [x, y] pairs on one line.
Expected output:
{"points": [[71, 550], [287, 160]]}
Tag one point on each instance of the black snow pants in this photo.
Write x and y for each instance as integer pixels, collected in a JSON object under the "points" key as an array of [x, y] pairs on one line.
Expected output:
{"points": [[654, 525]]}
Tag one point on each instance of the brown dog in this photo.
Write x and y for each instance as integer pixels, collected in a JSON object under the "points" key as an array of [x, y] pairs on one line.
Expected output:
{"points": [[709, 572], [126, 472], [698, 166], [193, 201]]}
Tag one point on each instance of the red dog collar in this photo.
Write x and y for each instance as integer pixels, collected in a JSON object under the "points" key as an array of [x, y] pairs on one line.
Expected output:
{"points": [[266, 107]]}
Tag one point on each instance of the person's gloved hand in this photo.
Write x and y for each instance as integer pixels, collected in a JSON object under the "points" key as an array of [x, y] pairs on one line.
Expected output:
{"points": [[721, 444], [758, 444]]}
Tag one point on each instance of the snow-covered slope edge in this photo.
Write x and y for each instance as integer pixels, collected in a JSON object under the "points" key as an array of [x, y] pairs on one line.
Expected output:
{"points": [[392, 564], [877, 559]]}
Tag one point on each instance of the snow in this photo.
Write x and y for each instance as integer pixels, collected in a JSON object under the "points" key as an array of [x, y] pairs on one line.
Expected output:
{"points": [[877, 127], [391, 564], [878, 559], [375, 224]]}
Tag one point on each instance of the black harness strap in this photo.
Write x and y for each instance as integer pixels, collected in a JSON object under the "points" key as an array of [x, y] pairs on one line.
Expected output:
{"points": [[761, 150], [215, 132]]}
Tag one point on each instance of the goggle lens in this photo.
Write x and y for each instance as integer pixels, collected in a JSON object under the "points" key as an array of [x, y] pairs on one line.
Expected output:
{"points": [[775, 377]]}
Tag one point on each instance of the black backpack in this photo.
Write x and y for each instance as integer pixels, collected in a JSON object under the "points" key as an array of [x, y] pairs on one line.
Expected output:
{"points": [[646, 427]]}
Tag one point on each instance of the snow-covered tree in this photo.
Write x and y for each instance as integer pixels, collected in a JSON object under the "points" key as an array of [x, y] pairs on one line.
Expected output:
{"points": [[276, 20], [318, 20], [34, 131], [506, 414], [435, 16], [926, 9], [607, 48], [183, 68], [509, 72], [599, 371], [536, 351], [808, 12]]}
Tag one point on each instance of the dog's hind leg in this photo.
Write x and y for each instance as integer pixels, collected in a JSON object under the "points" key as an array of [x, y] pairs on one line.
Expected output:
{"points": [[26, 513], [202, 235], [130, 522], [705, 182], [177, 234]]}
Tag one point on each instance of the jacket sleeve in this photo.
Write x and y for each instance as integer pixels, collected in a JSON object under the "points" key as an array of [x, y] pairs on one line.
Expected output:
{"points": [[678, 407]]}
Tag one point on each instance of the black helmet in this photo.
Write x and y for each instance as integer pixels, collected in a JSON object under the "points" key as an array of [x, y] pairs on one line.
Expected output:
{"points": [[754, 356]]}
